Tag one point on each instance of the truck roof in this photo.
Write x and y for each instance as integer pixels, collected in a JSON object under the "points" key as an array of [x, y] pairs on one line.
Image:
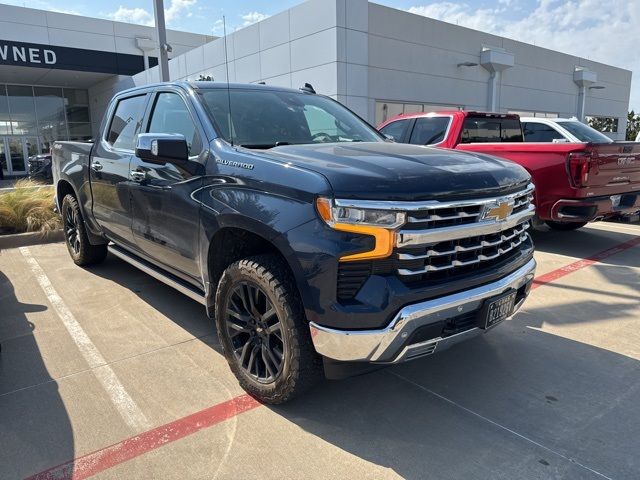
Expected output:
{"points": [[205, 85], [451, 113]]}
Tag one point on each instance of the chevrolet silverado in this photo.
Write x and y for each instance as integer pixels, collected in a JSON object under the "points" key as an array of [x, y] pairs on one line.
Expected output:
{"points": [[316, 245]]}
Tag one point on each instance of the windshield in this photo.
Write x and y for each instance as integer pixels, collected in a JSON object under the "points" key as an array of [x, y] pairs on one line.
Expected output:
{"points": [[585, 133], [269, 118]]}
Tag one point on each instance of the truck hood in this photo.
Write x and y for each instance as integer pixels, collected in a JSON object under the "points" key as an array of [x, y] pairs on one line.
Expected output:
{"points": [[393, 171]]}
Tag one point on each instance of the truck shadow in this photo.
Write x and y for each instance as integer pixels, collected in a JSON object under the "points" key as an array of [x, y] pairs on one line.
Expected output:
{"points": [[454, 415], [35, 429], [187, 314]]}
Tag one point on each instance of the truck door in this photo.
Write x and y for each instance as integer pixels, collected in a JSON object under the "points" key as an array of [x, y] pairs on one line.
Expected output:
{"points": [[109, 169], [165, 217]]}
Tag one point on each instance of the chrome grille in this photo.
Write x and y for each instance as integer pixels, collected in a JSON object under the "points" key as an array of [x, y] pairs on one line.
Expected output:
{"points": [[445, 217], [447, 241], [461, 213], [463, 252]]}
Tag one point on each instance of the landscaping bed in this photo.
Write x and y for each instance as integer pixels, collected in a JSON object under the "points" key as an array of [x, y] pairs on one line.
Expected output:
{"points": [[29, 207]]}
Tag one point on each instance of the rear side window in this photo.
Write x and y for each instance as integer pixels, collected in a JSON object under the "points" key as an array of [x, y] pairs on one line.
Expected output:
{"points": [[491, 130], [430, 130], [125, 123], [539, 132], [395, 129], [170, 115]]}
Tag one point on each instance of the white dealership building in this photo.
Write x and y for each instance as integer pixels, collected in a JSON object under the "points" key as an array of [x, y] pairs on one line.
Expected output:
{"points": [[58, 71]]}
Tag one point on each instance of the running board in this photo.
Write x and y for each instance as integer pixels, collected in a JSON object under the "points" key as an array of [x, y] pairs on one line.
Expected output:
{"points": [[158, 274]]}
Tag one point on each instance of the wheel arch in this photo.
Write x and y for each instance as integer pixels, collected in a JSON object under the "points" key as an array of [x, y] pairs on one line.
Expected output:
{"points": [[232, 243], [63, 188]]}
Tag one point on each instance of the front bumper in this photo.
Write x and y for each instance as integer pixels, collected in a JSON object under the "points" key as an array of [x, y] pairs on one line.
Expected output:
{"points": [[592, 208], [392, 344]]}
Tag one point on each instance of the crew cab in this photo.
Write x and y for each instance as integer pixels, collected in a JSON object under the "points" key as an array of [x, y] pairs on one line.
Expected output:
{"points": [[316, 245], [575, 182]]}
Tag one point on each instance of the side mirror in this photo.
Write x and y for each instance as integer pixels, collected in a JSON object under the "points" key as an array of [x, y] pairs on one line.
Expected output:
{"points": [[162, 148], [389, 138]]}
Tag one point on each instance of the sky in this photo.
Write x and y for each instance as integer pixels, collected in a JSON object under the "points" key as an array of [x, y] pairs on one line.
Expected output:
{"points": [[603, 31]]}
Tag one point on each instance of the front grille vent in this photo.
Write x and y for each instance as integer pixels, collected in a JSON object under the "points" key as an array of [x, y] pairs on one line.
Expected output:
{"points": [[450, 216], [462, 253]]}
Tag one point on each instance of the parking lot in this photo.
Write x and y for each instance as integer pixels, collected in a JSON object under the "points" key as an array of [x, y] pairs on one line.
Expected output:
{"points": [[107, 372]]}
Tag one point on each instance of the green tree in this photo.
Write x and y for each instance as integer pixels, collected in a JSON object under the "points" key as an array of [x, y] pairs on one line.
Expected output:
{"points": [[633, 125], [603, 124]]}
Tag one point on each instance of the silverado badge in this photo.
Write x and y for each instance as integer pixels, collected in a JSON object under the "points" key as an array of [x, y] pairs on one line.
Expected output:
{"points": [[499, 211]]}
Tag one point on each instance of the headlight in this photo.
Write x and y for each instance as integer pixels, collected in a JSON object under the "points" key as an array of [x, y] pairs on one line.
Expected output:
{"points": [[380, 224]]}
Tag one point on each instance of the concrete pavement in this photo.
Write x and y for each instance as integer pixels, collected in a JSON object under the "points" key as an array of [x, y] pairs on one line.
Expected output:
{"points": [[552, 393]]}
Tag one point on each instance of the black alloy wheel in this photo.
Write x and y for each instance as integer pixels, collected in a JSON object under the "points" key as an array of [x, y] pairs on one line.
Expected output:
{"points": [[71, 222], [82, 251], [255, 332], [263, 331]]}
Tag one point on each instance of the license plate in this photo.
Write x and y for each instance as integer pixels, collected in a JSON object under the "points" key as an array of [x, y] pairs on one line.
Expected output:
{"points": [[497, 309]]}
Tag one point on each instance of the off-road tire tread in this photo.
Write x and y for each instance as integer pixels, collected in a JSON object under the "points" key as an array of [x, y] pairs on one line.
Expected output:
{"points": [[89, 254], [305, 365]]}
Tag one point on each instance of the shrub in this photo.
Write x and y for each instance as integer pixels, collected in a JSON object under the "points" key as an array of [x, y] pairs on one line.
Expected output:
{"points": [[28, 208]]}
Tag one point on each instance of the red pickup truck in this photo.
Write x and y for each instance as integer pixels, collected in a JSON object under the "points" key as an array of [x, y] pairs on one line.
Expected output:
{"points": [[575, 182]]}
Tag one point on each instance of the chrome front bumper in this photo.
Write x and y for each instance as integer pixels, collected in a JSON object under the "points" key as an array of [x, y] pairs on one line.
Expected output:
{"points": [[388, 344]]}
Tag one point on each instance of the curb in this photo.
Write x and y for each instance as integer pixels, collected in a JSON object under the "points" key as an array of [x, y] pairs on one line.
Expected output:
{"points": [[31, 238]]}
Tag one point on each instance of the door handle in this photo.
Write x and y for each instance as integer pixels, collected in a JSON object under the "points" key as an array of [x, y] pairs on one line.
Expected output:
{"points": [[96, 166], [137, 175]]}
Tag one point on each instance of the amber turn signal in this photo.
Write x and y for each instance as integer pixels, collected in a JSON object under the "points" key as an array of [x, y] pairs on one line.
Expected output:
{"points": [[351, 220]]}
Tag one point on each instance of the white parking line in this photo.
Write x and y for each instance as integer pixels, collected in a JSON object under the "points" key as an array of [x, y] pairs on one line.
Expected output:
{"points": [[126, 406], [617, 227]]}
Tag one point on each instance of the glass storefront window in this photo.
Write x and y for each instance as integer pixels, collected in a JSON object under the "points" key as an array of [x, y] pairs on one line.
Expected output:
{"points": [[77, 104], [16, 154], [32, 118], [5, 120], [79, 131], [50, 113], [77, 109], [22, 109]]}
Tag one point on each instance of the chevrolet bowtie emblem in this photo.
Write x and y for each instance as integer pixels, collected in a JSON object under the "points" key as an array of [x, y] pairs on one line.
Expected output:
{"points": [[499, 212]]}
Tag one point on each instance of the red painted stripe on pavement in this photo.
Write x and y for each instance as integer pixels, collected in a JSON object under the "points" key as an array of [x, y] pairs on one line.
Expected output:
{"points": [[580, 264], [133, 447], [130, 448]]}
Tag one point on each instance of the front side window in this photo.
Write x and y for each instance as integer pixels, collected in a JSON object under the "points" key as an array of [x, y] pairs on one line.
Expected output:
{"points": [[126, 122], [429, 130], [269, 118], [539, 132], [170, 115], [491, 130], [395, 130]]}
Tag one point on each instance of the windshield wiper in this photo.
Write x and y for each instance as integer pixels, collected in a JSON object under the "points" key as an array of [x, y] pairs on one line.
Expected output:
{"points": [[258, 146], [263, 146]]}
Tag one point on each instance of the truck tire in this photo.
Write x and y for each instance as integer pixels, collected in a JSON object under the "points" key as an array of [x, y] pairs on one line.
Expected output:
{"points": [[82, 252], [263, 330], [565, 226]]}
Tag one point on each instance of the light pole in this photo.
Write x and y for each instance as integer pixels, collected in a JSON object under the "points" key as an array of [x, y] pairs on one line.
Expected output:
{"points": [[164, 47]]}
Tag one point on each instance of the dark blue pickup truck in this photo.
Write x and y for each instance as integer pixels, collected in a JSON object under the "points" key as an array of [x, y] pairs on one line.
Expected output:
{"points": [[318, 246]]}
